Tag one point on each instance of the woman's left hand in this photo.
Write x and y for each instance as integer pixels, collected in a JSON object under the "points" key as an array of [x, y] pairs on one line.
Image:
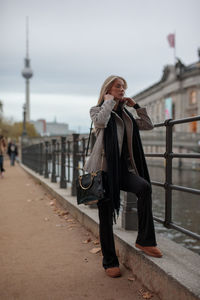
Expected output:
{"points": [[129, 101]]}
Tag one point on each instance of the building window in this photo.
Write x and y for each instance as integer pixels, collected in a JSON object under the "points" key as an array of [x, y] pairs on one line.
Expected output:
{"points": [[193, 125], [193, 97]]}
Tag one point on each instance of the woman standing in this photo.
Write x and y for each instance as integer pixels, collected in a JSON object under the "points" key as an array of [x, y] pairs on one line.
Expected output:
{"points": [[118, 152], [2, 152]]}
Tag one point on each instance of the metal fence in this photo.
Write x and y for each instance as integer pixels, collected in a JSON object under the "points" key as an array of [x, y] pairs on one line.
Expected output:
{"points": [[60, 159], [168, 185]]}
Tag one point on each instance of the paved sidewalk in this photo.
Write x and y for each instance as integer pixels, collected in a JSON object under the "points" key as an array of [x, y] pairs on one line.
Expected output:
{"points": [[47, 256]]}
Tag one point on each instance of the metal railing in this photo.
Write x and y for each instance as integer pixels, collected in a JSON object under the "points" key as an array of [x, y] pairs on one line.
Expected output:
{"points": [[168, 185], [61, 158]]}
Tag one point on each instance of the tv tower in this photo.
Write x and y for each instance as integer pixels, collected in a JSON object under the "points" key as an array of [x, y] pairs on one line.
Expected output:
{"points": [[27, 73]]}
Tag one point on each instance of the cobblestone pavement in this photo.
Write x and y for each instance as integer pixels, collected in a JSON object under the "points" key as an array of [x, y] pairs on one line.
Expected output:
{"points": [[45, 252]]}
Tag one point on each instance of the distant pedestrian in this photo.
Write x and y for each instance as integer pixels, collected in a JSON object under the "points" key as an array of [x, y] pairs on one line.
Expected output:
{"points": [[118, 152], [2, 152], [12, 152]]}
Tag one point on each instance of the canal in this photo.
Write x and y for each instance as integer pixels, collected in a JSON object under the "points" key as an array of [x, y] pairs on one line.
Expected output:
{"points": [[185, 206]]}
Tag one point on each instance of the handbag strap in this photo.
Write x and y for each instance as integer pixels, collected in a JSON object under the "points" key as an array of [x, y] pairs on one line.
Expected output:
{"points": [[90, 134], [89, 139]]}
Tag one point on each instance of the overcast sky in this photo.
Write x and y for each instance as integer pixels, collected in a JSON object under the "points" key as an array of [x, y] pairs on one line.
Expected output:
{"points": [[75, 44]]}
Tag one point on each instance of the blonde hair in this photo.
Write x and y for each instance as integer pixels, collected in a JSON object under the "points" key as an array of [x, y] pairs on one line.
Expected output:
{"points": [[107, 86]]}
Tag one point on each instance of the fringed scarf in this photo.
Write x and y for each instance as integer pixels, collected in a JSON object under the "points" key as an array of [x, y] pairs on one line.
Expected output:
{"points": [[111, 148]]}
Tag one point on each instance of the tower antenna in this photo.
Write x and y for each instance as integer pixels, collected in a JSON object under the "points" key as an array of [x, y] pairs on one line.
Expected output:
{"points": [[27, 72], [27, 34]]}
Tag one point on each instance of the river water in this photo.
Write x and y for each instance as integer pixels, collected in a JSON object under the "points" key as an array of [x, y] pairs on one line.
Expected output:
{"points": [[185, 206]]}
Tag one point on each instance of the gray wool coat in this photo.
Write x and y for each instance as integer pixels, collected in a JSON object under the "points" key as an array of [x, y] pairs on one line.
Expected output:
{"points": [[100, 115]]}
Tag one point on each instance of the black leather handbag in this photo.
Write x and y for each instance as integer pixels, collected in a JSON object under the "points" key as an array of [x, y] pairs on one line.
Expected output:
{"points": [[89, 187]]}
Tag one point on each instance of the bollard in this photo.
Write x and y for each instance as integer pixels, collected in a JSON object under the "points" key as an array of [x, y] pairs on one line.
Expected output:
{"points": [[41, 159], [63, 183], [129, 215], [53, 174], [46, 173], [75, 162]]}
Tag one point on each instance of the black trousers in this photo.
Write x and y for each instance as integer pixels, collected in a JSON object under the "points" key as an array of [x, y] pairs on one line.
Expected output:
{"points": [[146, 233]]}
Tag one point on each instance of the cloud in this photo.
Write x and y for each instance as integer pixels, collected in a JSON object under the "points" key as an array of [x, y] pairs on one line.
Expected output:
{"points": [[75, 45]]}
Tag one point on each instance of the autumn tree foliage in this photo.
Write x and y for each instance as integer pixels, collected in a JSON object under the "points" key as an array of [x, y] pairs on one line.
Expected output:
{"points": [[14, 130]]}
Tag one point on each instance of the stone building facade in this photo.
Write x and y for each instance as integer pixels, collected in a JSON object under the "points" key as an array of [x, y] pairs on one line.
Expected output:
{"points": [[176, 95]]}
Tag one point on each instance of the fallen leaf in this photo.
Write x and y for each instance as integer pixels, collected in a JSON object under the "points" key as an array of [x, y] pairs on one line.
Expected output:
{"points": [[71, 226], [87, 241], [131, 278], [70, 220], [145, 294], [95, 250], [64, 213], [96, 242]]}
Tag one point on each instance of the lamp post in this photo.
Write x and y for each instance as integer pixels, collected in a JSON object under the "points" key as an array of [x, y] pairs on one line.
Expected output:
{"points": [[24, 137], [24, 132]]}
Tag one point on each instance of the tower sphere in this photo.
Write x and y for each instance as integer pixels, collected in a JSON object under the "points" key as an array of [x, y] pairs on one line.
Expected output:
{"points": [[27, 73]]}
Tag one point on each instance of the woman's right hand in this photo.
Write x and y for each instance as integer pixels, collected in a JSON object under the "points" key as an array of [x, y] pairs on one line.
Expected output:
{"points": [[108, 97]]}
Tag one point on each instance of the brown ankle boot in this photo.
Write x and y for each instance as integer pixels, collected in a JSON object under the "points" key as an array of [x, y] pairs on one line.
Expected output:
{"points": [[150, 250], [113, 272]]}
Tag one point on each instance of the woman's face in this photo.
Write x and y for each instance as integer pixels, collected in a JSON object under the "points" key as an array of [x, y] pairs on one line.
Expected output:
{"points": [[117, 90]]}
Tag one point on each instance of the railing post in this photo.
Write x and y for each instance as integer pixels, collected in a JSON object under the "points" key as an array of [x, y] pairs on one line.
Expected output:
{"points": [[37, 158], [75, 162], [168, 175], [53, 174], [63, 183], [46, 173], [41, 159], [180, 159], [129, 215], [68, 160]]}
